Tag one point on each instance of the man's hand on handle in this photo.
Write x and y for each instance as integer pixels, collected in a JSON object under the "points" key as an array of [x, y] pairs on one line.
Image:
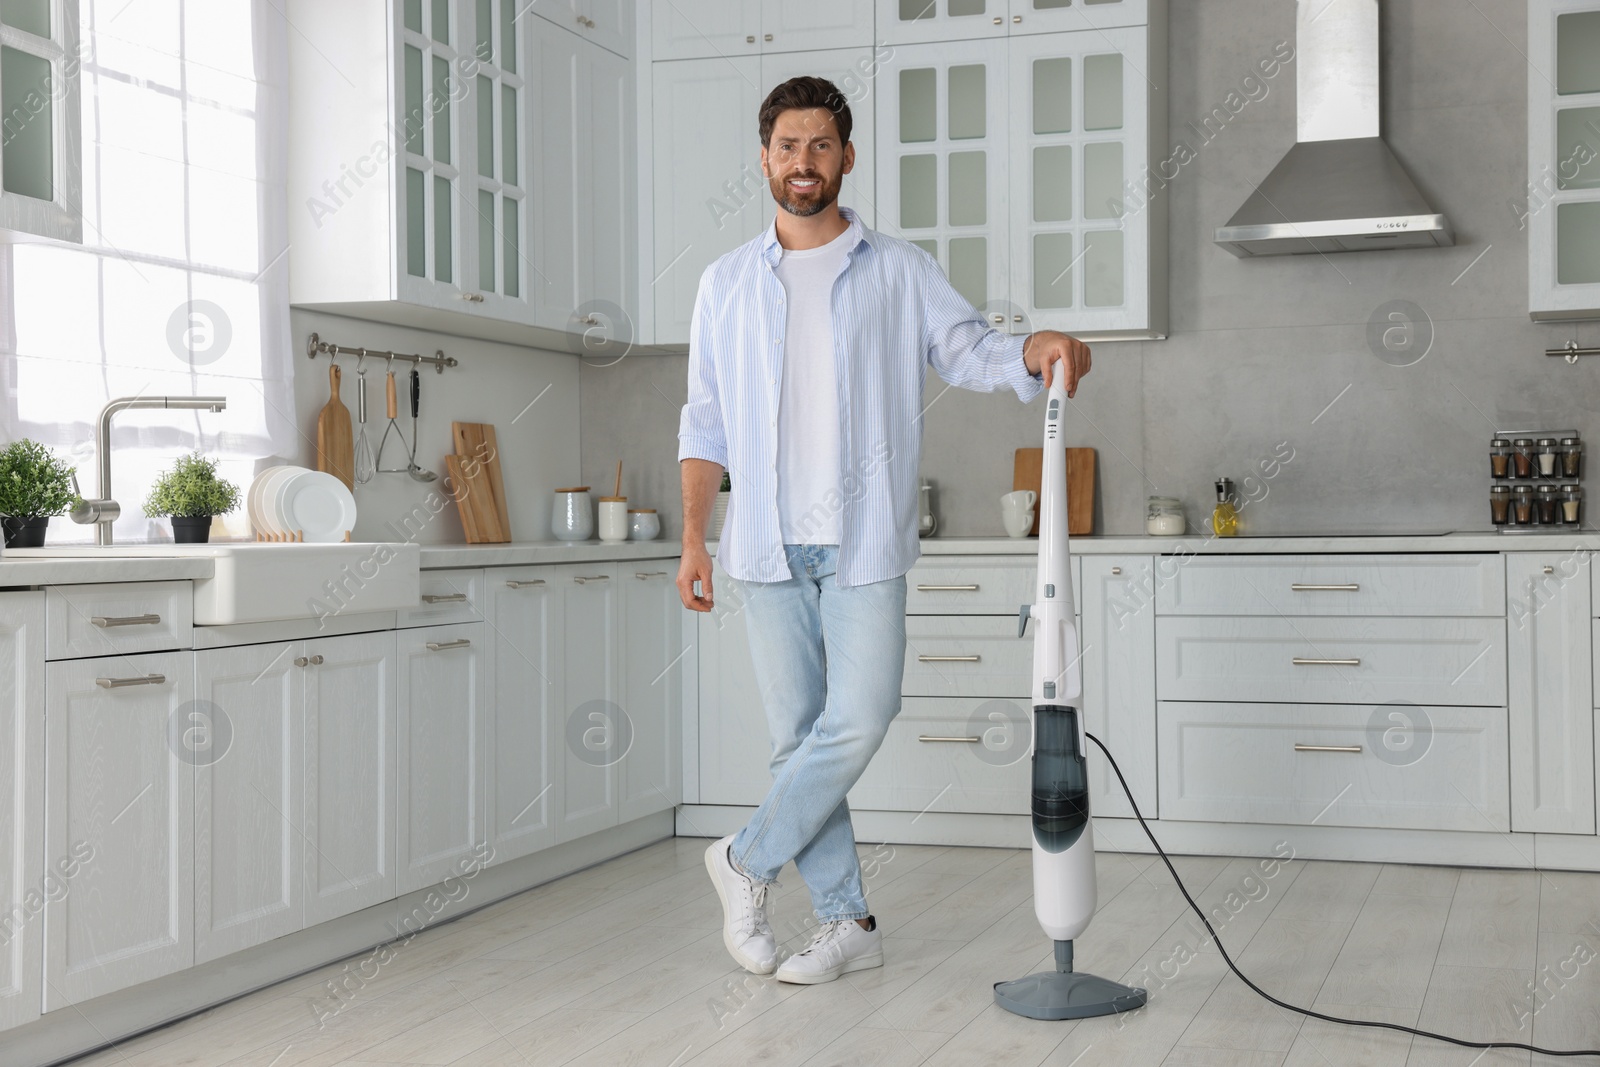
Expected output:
{"points": [[1048, 347], [695, 566]]}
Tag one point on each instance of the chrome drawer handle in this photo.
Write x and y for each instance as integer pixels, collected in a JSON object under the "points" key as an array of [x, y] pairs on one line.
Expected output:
{"points": [[444, 598], [524, 584], [947, 659], [441, 646], [1307, 661], [104, 621], [123, 683], [592, 578], [1116, 570], [973, 588], [967, 740], [641, 575], [1309, 587], [1298, 747]]}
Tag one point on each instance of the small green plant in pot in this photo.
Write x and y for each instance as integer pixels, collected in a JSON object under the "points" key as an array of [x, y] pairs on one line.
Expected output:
{"points": [[34, 486], [192, 494]]}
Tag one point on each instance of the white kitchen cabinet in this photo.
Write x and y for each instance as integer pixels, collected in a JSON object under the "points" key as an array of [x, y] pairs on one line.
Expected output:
{"points": [[244, 736], [653, 655], [1561, 209], [1551, 693], [41, 154], [525, 752], [115, 791], [735, 744], [350, 774], [586, 204], [910, 21], [26, 877], [696, 29], [607, 23], [1117, 633], [442, 735], [706, 182], [592, 730]]}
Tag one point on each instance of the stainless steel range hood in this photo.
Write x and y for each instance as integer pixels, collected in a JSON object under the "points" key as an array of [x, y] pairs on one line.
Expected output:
{"points": [[1339, 189]]}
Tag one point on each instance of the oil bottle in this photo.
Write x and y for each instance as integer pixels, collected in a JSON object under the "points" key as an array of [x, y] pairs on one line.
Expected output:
{"points": [[1225, 520]]}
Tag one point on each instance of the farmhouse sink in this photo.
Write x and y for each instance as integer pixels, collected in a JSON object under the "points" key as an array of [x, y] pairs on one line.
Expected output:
{"points": [[254, 582]]}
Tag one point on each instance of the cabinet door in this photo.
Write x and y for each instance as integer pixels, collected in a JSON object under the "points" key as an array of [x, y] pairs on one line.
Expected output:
{"points": [[706, 175], [910, 21], [692, 29], [441, 753], [41, 171], [244, 736], [735, 744], [26, 878], [796, 25], [525, 607], [350, 791], [560, 150], [1562, 206], [435, 151], [592, 726], [854, 71], [1080, 242], [1055, 16], [608, 202], [120, 801], [941, 175], [493, 203], [609, 24], [1117, 634], [653, 654], [1551, 693]]}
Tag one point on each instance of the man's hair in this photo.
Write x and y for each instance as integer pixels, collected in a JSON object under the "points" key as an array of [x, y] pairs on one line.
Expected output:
{"points": [[805, 93]]}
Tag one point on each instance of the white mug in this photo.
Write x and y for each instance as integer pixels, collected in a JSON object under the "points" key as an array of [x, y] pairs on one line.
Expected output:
{"points": [[1016, 511]]}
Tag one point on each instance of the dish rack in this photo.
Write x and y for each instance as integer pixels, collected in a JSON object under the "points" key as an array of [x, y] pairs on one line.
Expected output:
{"points": [[298, 537]]}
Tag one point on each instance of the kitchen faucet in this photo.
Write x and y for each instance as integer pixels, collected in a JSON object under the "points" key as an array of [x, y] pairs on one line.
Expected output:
{"points": [[103, 511]]}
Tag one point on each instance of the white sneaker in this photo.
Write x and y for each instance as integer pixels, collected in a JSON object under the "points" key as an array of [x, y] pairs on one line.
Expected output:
{"points": [[745, 932], [838, 948]]}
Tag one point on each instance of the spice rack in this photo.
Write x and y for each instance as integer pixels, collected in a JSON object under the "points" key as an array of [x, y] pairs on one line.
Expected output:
{"points": [[1535, 479]]}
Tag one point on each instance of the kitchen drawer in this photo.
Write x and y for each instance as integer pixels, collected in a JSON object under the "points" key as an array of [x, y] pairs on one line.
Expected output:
{"points": [[446, 597], [974, 585], [1239, 763], [1432, 584], [967, 656], [925, 763], [1245, 658], [104, 620]]}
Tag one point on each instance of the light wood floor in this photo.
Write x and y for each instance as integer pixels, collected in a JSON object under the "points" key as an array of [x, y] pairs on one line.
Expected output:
{"points": [[623, 964]]}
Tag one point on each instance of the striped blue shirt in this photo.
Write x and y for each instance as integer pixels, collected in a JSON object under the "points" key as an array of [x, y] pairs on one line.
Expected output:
{"points": [[894, 316]]}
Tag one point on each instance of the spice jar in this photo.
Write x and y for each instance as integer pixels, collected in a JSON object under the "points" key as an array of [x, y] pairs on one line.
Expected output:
{"points": [[1163, 517], [1522, 457], [1571, 457], [1521, 505], [1499, 504], [1571, 504], [1548, 500], [1499, 458], [1547, 457]]}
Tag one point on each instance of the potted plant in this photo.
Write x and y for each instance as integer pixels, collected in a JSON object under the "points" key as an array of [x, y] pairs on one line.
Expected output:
{"points": [[192, 494], [34, 485]]}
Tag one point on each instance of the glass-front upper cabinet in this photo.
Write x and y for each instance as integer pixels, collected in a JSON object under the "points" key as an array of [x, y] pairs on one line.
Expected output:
{"points": [[1562, 206], [497, 187], [41, 180], [911, 21], [429, 125]]}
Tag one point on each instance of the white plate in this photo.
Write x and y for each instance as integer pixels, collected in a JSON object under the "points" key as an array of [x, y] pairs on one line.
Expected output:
{"points": [[318, 505], [258, 521], [271, 516]]}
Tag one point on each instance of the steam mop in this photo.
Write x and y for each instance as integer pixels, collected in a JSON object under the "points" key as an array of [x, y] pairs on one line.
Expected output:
{"points": [[1063, 843]]}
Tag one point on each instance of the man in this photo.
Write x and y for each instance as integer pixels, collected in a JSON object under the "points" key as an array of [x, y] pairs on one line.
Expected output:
{"points": [[808, 348]]}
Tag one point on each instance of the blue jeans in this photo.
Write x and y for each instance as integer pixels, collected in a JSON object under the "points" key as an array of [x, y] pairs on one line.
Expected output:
{"points": [[829, 662]]}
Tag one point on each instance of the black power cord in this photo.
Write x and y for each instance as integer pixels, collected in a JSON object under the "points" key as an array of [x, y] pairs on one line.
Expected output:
{"points": [[1307, 1012]]}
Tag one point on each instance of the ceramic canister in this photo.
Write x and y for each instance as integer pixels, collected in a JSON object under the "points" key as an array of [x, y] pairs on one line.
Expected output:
{"points": [[572, 518], [613, 519], [643, 524]]}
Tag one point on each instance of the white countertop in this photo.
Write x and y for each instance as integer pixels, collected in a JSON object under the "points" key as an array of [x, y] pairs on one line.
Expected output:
{"points": [[35, 566], [1200, 544], [522, 553]]}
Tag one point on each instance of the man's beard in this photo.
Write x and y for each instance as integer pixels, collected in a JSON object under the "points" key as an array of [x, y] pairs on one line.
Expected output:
{"points": [[826, 193]]}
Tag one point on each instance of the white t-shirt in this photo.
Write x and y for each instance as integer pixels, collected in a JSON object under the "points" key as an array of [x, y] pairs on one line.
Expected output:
{"points": [[810, 503]]}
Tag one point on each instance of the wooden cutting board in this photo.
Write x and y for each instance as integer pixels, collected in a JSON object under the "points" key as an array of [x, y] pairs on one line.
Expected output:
{"points": [[477, 439], [1027, 473], [335, 443], [469, 484]]}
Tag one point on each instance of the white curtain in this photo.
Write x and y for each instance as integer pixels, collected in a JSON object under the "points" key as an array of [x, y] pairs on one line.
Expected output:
{"points": [[181, 284]]}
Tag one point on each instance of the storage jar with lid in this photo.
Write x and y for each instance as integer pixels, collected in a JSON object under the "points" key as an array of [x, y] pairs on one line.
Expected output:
{"points": [[643, 524], [1571, 457], [1499, 458], [1522, 457], [1163, 517], [1521, 505], [1549, 502], [572, 515], [1547, 457], [1571, 504], [1500, 504]]}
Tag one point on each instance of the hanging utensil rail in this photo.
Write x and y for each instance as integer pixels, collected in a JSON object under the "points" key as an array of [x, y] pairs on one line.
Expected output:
{"points": [[438, 360]]}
